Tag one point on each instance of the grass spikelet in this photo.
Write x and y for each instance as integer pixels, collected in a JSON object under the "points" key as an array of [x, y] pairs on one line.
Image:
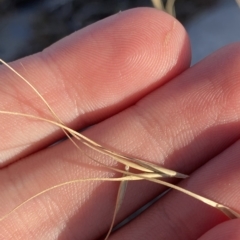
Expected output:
{"points": [[147, 171]]}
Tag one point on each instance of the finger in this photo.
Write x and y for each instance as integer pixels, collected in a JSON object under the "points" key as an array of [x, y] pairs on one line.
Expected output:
{"points": [[89, 76], [227, 230], [177, 216], [165, 127]]}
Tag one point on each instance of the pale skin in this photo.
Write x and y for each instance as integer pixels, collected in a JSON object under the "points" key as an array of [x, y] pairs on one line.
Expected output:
{"points": [[129, 76]]}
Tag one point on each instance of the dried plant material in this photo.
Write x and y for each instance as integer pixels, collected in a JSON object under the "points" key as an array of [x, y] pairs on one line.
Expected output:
{"points": [[148, 171], [37, 92], [120, 196], [133, 177], [169, 7], [226, 210], [121, 179], [135, 163], [158, 4]]}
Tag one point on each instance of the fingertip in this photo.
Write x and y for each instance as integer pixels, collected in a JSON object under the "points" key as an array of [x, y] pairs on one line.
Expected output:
{"points": [[143, 42], [95, 73]]}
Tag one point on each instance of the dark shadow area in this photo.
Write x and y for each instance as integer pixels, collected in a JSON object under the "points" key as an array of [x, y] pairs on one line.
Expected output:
{"points": [[29, 26]]}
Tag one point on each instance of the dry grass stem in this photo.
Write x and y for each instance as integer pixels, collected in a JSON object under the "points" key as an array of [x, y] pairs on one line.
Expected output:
{"points": [[148, 171], [158, 4], [135, 163], [169, 7]]}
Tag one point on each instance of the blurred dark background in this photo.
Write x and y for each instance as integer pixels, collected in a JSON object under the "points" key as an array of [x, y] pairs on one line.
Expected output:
{"points": [[28, 26]]}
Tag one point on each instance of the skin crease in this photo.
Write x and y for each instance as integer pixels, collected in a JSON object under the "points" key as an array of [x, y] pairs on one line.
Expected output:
{"points": [[128, 75], [228, 230]]}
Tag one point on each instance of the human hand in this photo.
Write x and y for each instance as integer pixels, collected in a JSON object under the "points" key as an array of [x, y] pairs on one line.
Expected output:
{"points": [[128, 76]]}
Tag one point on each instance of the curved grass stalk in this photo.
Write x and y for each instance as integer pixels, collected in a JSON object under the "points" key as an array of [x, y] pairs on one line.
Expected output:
{"points": [[120, 179], [169, 6], [50, 109], [158, 4], [135, 163], [128, 176], [120, 196], [135, 177], [88, 142], [91, 143], [38, 94], [149, 171]]}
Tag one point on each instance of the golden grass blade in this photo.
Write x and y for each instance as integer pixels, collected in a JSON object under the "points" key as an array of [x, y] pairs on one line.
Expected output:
{"points": [[145, 174], [226, 210], [158, 4], [130, 177], [150, 172], [127, 161], [31, 86], [123, 184], [39, 95], [94, 145], [133, 177], [170, 7], [120, 196], [126, 178]]}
